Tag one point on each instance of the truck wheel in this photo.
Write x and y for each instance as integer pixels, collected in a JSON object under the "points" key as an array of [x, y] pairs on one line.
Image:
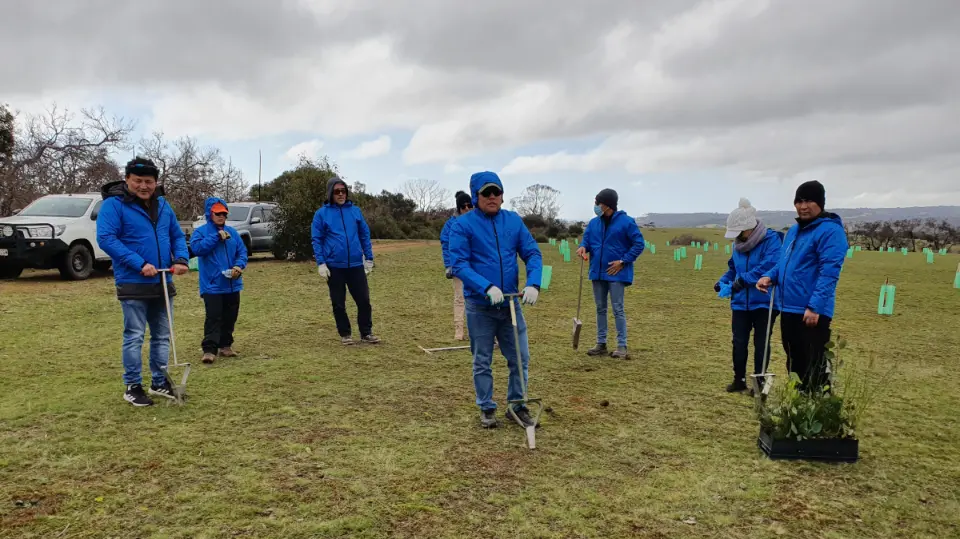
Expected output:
{"points": [[77, 264], [10, 272], [102, 266]]}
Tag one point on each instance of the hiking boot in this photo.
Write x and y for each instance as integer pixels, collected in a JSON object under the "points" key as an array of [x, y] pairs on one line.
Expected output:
{"points": [[346, 340], [370, 339], [523, 414], [162, 389], [599, 350], [208, 358], [135, 396], [737, 386], [227, 352], [620, 353], [488, 419]]}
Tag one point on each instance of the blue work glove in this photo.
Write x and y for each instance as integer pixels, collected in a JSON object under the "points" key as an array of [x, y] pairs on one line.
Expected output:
{"points": [[725, 290]]}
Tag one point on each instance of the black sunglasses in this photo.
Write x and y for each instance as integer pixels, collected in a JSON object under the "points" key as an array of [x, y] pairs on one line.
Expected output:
{"points": [[339, 191], [466, 206], [491, 192], [221, 214]]}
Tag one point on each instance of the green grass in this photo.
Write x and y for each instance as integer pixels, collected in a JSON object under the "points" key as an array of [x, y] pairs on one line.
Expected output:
{"points": [[301, 437]]}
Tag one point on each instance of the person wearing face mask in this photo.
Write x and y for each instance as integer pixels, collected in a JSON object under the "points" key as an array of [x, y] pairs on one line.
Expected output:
{"points": [[464, 204], [344, 255], [612, 242], [484, 246], [806, 278], [140, 232], [756, 251], [222, 257]]}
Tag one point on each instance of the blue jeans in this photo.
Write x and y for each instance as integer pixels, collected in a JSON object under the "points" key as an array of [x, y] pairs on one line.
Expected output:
{"points": [[484, 323], [137, 314], [615, 290]]}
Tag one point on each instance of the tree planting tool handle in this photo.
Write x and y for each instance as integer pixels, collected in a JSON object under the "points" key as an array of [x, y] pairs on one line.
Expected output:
{"points": [[580, 295], [766, 350], [166, 302], [516, 340]]}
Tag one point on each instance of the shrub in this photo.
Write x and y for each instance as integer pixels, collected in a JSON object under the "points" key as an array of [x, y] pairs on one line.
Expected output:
{"points": [[687, 239], [304, 191], [540, 238]]}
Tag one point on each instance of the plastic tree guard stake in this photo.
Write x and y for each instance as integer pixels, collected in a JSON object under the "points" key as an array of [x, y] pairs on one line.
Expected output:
{"points": [[676, 255], [545, 277], [726, 249], [716, 246], [653, 249], [956, 281], [698, 263], [859, 248], [930, 258], [888, 293], [905, 251], [566, 255], [668, 243], [683, 253], [850, 252]]}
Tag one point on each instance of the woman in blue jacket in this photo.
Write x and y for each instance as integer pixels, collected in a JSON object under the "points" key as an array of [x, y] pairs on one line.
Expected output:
{"points": [[806, 279], [756, 251], [464, 204], [613, 242], [222, 259]]}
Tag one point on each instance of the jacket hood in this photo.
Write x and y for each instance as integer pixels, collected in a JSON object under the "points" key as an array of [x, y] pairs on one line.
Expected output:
{"points": [[208, 207], [333, 183], [478, 180], [119, 189]]}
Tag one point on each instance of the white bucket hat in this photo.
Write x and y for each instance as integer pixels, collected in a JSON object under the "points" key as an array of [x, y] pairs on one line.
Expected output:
{"points": [[740, 219]]}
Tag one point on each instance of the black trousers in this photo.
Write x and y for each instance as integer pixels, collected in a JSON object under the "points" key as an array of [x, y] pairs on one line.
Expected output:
{"points": [[743, 323], [222, 311], [356, 280], [805, 349]]}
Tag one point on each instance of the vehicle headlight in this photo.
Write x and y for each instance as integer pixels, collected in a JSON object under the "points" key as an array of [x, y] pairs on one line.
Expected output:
{"points": [[39, 232], [7, 231]]}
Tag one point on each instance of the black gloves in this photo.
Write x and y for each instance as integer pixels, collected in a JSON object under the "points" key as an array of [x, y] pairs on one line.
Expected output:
{"points": [[716, 287], [738, 285]]}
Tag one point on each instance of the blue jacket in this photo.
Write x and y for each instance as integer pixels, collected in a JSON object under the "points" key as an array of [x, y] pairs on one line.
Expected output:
{"points": [[750, 267], [134, 237], [484, 248], [445, 241], [609, 241], [215, 255], [809, 268], [341, 237]]}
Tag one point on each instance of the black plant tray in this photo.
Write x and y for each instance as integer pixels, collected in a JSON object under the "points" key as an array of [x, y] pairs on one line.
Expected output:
{"points": [[820, 449]]}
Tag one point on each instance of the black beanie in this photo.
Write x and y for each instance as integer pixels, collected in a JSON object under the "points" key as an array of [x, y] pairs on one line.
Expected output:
{"points": [[609, 198], [812, 191], [463, 199]]}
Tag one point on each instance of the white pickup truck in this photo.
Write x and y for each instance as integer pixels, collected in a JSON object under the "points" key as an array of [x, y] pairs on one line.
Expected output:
{"points": [[54, 232]]}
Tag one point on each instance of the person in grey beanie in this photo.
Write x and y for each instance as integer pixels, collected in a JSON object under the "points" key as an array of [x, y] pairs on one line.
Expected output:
{"points": [[756, 250]]}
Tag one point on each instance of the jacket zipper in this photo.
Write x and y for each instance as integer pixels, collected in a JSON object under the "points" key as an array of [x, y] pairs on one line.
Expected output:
{"points": [[496, 237], [345, 235], [156, 236], [227, 257], [603, 243], [747, 287]]}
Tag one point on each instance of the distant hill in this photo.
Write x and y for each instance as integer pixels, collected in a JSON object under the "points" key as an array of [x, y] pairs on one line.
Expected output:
{"points": [[779, 219]]}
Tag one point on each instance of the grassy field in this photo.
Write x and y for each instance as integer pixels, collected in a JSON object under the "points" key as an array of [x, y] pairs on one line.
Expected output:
{"points": [[301, 437]]}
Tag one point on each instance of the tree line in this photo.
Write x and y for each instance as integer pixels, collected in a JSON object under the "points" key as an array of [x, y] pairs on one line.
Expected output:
{"points": [[912, 234]]}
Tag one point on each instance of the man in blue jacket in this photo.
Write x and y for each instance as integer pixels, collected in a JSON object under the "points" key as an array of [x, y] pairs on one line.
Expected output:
{"points": [[806, 280], [613, 242], [140, 232], [484, 245], [756, 251], [222, 257], [464, 204], [344, 255]]}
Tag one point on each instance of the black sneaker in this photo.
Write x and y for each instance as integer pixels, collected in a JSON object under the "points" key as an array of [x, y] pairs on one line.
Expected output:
{"points": [[488, 419], [523, 414], [598, 350], [737, 386], [162, 389], [135, 396], [620, 353], [346, 340], [370, 339]]}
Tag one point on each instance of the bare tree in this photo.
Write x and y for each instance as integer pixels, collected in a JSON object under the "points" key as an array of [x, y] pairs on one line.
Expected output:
{"points": [[190, 174], [428, 195], [56, 152], [539, 200]]}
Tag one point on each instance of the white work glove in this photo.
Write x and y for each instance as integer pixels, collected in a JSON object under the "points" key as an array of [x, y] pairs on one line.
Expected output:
{"points": [[324, 271], [367, 266], [495, 295], [530, 295]]}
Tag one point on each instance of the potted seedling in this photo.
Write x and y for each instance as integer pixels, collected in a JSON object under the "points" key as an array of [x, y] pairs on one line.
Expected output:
{"points": [[817, 424]]}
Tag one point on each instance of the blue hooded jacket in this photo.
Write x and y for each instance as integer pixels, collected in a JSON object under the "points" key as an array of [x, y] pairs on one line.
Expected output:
{"points": [[484, 248], [750, 267], [809, 268], [445, 241], [618, 238], [341, 237], [134, 237], [215, 255]]}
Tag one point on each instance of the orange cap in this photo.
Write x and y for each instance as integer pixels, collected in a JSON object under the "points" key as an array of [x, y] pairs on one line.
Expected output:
{"points": [[218, 208]]}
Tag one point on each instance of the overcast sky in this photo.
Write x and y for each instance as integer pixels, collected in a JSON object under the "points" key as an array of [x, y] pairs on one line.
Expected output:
{"points": [[679, 105]]}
